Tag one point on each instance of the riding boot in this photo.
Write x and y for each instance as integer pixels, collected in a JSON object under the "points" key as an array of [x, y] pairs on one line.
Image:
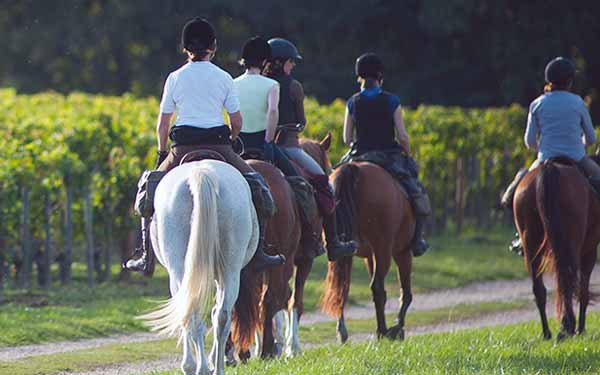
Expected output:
{"points": [[419, 245], [509, 194], [265, 209], [516, 246], [336, 249], [143, 257]]}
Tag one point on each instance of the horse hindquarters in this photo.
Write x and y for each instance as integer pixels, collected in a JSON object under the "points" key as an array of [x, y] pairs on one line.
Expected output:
{"points": [[559, 252]]}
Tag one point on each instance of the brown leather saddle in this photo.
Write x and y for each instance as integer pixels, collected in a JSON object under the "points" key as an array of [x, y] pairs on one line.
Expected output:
{"points": [[199, 155]]}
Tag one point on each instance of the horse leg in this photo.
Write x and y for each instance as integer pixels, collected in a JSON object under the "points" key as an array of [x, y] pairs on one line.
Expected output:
{"points": [[197, 332], [587, 265], [226, 297], [378, 272], [303, 268], [268, 341], [280, 320], [539, 291], [404, 263]]}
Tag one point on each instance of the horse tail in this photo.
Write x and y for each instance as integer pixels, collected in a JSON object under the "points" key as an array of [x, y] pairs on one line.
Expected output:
{"points": [[246, 311], [558, 255], [203, 261], [338, 273]]}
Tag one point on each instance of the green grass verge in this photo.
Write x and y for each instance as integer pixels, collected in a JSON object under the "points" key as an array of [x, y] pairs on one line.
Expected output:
{"points": [[80, 312], [513, 349], [317, 334]]}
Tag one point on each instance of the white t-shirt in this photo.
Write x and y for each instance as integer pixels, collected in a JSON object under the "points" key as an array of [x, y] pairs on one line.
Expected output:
{"points": [[198, 92]]}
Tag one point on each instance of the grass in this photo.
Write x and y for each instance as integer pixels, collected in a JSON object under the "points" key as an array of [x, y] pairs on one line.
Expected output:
{"points": [[318, 334], [76, 312], [513, 349]]}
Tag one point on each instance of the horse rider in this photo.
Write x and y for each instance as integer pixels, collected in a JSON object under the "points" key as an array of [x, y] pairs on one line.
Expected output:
{"points": [[198, 92], [558, 125], [372, 123], [259, 105], [284, 56]]}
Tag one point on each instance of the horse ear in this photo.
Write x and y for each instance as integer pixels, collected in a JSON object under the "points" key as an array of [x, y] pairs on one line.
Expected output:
{"points": [[326, 142]]}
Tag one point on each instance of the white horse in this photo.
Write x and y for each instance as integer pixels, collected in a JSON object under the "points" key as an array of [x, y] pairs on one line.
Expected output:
{"points": [[204, 231]]}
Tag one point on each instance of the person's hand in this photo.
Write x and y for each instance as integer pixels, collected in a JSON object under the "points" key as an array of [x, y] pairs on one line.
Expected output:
{"points": [[269, 152], [162, 155]]}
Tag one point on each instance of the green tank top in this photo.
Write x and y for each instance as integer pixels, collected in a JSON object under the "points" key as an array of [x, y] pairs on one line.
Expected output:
{"points": [[253, 92]]}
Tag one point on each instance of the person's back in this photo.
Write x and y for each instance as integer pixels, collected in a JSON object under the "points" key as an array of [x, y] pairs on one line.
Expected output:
{"points": [[559, 119], [198, 92], [253, 90]]}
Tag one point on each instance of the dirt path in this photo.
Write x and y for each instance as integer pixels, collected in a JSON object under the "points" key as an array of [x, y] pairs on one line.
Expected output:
{"points": [[470, 294]]}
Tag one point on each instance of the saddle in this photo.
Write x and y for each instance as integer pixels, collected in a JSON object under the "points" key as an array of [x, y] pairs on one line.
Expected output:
{"points": [[144, 199], [253, 153], [199, 155], [402, 167]]}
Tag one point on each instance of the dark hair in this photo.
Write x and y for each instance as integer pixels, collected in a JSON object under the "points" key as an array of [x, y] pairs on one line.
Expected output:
{"points": [[275, 67], [198, 37], [255, 51]]}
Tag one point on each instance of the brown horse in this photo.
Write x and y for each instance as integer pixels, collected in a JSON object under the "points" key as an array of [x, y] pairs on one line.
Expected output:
{"points": [[279, 306], [557, 216], [373, 209]]}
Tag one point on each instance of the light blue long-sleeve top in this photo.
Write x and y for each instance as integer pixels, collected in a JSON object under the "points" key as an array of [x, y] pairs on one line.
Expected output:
{"points": [[559, 124]]}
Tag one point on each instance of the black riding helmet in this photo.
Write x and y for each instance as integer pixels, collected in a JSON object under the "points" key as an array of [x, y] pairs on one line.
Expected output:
{"points": [[255, 51], [369, 65], [198, 35], [283, 49], [560, 71]]}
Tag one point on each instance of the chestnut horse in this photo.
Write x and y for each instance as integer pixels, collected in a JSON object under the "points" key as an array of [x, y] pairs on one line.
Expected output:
{"points": [[557, 216], [373, 209], [280, 307]]}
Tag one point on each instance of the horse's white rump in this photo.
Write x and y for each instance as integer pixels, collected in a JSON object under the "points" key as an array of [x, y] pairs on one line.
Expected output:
{"points": [[204, 231]]}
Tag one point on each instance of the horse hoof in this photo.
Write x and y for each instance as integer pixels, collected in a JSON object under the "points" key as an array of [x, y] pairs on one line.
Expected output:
{"points": [[547, 335], [395, 333], [562, 336], [581, 332], [342, 333]]}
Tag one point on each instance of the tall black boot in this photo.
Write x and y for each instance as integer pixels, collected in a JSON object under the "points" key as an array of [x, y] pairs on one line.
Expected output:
{"points": [[336, 249], [419, 245], [143, 257], [509, 194], [265, 209]]}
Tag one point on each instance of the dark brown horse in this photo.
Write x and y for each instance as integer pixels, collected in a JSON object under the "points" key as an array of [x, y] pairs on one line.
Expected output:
{"points": [[557, 216], [279, 306], [373, 209]]}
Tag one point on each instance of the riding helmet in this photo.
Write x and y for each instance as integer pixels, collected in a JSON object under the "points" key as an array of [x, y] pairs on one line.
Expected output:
{"points": [[560, 71], [255, 51], [284, 49], [369, 65], [198, 35]]}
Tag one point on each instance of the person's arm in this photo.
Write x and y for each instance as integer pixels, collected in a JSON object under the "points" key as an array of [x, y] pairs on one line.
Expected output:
{"points": [[162, 130], [272, 113], [235, 119], [167, 108], [532, 130], [348, 128], [587, 126], [297, 94], [401, 133]]}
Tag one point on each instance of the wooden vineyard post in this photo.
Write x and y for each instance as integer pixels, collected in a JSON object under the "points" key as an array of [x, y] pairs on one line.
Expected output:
{"points": [[65, 265], [26, 255], [89, 234], [459, 195], [47, 241]]}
